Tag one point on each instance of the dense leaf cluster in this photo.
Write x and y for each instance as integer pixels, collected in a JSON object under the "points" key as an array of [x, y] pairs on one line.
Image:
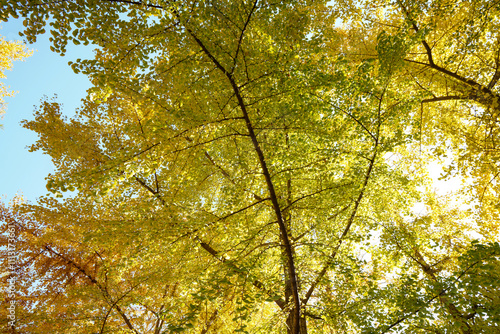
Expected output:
{"points": [[255, 167]]}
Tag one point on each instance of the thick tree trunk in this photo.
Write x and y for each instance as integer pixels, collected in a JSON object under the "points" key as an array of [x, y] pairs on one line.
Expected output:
{"points": [[302, 323]]}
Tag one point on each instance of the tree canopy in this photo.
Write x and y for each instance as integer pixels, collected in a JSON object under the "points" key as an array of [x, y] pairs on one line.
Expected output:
{"points": [[254, 166]]}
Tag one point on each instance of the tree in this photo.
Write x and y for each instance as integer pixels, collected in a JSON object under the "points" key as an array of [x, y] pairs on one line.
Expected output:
{"points": [[9, 52], [451, 53], [231, 172]]}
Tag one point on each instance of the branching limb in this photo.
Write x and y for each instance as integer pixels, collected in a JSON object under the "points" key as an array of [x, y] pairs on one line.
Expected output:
{"points": [[355, 209], [265, 172], [280, 302], [94, 281]]}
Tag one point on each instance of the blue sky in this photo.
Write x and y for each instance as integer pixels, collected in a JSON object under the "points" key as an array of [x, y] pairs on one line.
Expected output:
{"points": [[43, 74]]}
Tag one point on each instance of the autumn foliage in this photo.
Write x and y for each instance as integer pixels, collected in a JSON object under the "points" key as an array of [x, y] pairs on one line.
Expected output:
{"points": [[256, 167], [10, 51]]}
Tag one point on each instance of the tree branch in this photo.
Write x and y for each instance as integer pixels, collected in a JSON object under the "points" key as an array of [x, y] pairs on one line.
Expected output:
{"points": [[354, 211], [281, 303], [267, 176], [471, 83], [242, 34], [94, 281], [445, 98], [346, 231]]}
